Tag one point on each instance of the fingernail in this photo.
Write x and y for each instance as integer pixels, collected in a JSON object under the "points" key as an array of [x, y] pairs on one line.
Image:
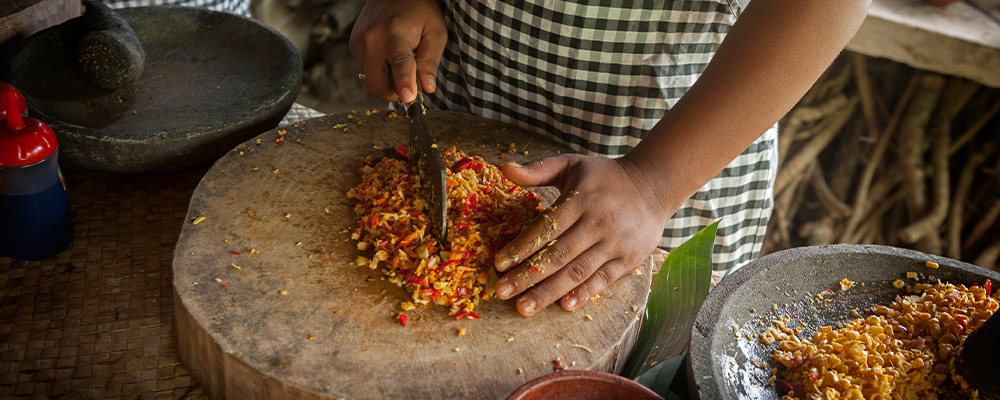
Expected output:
{"points": [[570, 302], [504, 289], [430, 83], [405, 94], [528, 305]]}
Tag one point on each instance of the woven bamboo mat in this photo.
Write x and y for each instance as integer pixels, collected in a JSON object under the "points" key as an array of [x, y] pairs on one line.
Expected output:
{"points": [[97, 320]]}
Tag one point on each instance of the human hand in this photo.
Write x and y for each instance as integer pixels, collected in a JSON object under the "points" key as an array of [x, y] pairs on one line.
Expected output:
{"points": [[402, 38], [607, 220]]}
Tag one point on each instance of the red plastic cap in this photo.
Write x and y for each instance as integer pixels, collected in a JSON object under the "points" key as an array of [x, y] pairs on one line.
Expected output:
{"points": [[22, 104], [23, 140]]}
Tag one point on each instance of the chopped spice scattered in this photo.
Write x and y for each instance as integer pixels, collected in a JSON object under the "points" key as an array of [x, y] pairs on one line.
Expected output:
{"points": [[197, 220], [461, 332], [903, 351], [931, 265], [236, 252], [402, 319], [557, 364], [283, 292], [485, 211]]}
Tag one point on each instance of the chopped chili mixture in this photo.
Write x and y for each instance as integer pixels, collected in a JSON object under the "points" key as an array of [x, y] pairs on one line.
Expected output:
{"points": [[903, 351], [485, 211]]}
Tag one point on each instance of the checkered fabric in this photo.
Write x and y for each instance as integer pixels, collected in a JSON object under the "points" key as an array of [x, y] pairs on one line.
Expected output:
{"points": [[238, 7], [598, 75]]}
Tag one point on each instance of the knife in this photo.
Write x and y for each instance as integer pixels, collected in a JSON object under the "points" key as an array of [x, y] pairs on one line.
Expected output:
{"points": [[426, 159]]}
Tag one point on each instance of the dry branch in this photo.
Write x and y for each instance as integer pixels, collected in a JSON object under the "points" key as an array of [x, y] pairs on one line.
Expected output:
{"points": [[929, 226], [956, 214], [834, 207], [793, 171], [985, 224], [911, 141], [866, 92], [861, 196], [988, 258], [974, 128], [805, 115]]}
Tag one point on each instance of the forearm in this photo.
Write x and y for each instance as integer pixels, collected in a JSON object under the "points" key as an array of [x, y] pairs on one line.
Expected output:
{"points": [[769, 59]]}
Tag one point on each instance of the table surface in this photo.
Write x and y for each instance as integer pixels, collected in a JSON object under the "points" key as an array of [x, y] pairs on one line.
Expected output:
{"points": [[961, 39], [97, 320]]}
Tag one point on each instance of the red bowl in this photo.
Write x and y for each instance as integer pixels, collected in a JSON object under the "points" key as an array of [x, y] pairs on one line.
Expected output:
{"points": [[582, 385]]}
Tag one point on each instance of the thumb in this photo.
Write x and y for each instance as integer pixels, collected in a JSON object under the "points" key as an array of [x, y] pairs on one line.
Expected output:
{"points": [[544, 172]]}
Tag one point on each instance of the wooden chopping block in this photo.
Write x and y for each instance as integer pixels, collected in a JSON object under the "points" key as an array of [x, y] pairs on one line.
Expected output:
{"points": [[22, 18], [279, 200]]}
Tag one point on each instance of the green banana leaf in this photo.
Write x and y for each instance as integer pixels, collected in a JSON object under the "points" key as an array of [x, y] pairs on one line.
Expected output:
{"points": [[677, 292]]}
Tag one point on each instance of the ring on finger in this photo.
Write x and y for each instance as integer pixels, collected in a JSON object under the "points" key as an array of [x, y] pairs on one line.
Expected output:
{"points": [[361, 76]]}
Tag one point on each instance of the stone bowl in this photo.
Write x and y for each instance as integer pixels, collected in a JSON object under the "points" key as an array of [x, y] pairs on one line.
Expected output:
{"points": [[211, 80]]}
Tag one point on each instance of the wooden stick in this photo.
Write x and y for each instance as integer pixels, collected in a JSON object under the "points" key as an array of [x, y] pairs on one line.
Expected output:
{"points": [[988, 258], [861, 195], [799, 193], [911, 141], [865, 91], [881, 191], [849, 156], [793, 170], [956, 214], [985, 224], [834, 206], [931, 223], [803, 115], [974, 128]]}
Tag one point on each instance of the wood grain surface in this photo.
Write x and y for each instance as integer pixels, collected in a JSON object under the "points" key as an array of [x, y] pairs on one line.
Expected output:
{"points": [[22, 18], [335, 333]]}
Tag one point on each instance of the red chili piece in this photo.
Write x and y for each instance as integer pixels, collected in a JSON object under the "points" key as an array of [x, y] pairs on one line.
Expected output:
{"points": [[402, 319], [786, 387], [225, 286], [237, 253], [464, 313], [403, 151], [465, 163], [988, 286], [557, 364], [961, 321]]}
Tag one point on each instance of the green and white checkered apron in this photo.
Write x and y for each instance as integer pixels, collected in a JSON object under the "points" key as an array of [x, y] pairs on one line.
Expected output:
{"points": [[597, 75]]}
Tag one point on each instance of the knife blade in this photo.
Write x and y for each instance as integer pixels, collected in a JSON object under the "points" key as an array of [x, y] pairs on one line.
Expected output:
{"points": [[426, 160]]}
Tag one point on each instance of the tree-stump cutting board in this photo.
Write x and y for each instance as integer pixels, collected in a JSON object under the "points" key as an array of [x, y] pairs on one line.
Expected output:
{"points": [[269, 302]]}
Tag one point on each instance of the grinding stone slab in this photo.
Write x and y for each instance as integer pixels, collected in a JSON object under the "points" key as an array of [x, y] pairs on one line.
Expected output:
{"points": [[211, 81], [720, 364], [335, 333]]}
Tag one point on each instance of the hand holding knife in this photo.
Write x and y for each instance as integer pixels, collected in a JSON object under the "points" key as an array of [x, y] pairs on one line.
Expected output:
{"points": [[426, 160]]}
